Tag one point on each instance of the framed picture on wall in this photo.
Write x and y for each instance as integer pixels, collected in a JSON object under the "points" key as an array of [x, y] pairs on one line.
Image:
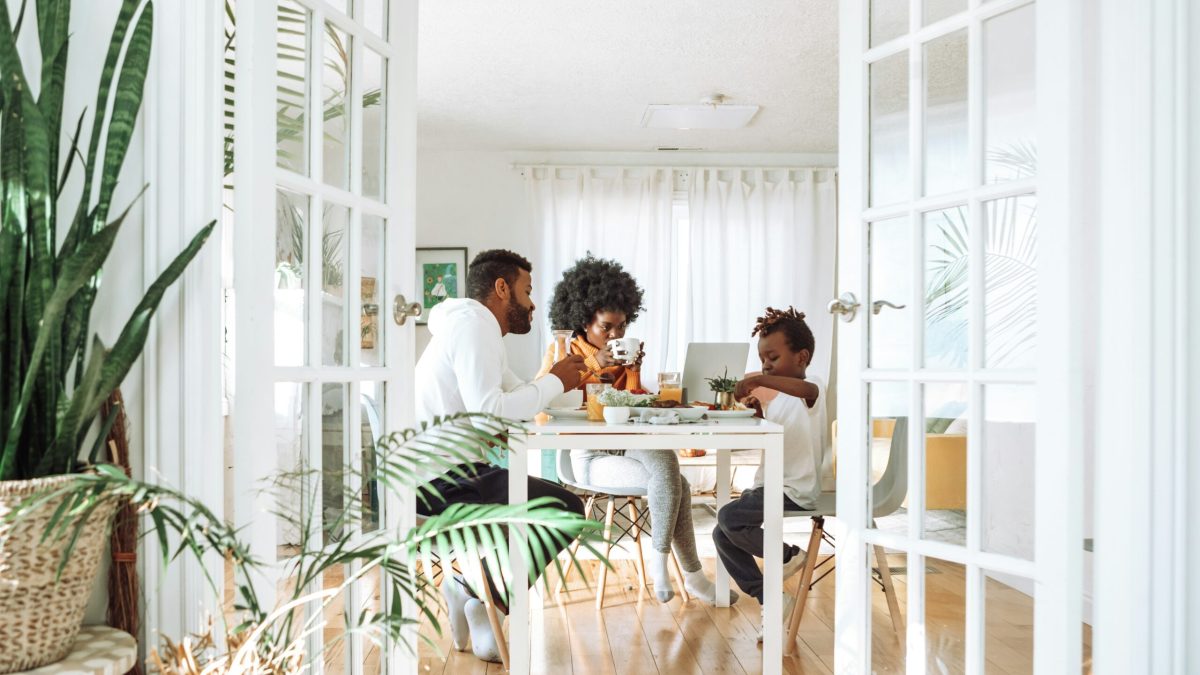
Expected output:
{"points": [[441, 275]]}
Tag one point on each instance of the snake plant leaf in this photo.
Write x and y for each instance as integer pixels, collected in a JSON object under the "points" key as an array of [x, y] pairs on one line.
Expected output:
{"points": [[126, 103], [75, 273], [54, 17], [127, 348], [115, 45]]}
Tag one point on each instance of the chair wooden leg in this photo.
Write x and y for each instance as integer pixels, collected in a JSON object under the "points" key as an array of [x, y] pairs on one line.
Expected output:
{"points": [[566, 575], [494, 618], [683, 594], [889, 591], [810, 562], [637, 539], [608, 521]]}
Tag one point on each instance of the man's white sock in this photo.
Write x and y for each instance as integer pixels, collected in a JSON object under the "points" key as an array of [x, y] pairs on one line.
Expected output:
{"points": [[483, 640], [456, 601]]}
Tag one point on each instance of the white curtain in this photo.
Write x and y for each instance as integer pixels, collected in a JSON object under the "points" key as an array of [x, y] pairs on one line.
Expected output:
{"points": [[618, 213], [759, 238]]}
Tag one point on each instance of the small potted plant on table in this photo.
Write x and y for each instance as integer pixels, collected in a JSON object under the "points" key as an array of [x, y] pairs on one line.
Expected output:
{"points": [[723, 388]]}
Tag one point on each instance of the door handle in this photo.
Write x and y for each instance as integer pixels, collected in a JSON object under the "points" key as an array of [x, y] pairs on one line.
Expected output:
{"points": [[402, 309], [880, 304], [846, 305]]}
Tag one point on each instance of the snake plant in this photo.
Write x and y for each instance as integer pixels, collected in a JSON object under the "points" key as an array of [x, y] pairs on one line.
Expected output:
{"points": [[53, 374]]}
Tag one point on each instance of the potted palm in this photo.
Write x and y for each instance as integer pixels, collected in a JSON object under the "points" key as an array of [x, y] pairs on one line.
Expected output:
{"points": [[55, 374], [335, 551]]}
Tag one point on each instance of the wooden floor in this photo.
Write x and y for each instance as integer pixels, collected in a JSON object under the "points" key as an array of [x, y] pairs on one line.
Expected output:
{"points": [[635, 635]]}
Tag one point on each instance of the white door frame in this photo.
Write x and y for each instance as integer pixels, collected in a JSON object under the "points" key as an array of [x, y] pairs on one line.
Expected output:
{"points": [[182, 423], [1058, 489], [1148, 178], [257, 177]]}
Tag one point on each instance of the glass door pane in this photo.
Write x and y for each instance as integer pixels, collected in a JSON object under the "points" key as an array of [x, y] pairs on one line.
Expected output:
{"points": [[945, 108], [1009, 96], [888, 139], [335, 98]]}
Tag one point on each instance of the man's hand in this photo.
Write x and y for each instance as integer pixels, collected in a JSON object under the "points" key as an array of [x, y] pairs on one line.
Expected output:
{"points": [[745, 387], [605, 358], [570, 370]]}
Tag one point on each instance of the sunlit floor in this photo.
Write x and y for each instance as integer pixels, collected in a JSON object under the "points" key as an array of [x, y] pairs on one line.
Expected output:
{"points": [[635, 634]]}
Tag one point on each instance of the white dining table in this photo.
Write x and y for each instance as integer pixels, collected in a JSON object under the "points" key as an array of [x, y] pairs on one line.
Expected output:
{"points": [[723, 436]]}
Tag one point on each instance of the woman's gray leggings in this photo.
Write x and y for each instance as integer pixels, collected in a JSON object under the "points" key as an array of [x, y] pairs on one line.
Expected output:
{"points": [[668, 493]]}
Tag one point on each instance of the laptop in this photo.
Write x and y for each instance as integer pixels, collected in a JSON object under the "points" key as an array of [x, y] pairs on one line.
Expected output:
{"points": [[710, 359]]}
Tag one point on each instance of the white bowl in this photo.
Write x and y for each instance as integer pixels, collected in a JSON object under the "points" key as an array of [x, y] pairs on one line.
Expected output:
{"points": [[691, 413], [616, 414]]}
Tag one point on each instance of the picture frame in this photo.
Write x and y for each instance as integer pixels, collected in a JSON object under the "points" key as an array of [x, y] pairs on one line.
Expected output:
{"points": [[441, 275]]}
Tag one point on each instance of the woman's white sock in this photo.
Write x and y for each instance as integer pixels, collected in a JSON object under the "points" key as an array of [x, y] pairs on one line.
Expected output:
{"points": [[660, 576], [702, 587], [483, 639]]}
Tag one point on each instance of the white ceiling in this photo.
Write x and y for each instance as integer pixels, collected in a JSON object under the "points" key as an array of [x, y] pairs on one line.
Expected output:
{"points": [[577, 75]]}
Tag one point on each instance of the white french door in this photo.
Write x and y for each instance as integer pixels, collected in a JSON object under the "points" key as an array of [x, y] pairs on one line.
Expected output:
{"points": [[938, 347], [323, 215]]}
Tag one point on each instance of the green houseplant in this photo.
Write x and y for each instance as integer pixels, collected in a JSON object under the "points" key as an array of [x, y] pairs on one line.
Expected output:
{"points": [[335, 551], [55, 374], [723, 388]]}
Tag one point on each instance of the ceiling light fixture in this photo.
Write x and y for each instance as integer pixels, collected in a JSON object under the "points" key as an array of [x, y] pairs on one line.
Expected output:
{"points": [[711, 113]]}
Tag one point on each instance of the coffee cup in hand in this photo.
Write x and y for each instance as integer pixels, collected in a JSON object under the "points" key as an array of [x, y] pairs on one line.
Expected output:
{"points": [[625, 349]]}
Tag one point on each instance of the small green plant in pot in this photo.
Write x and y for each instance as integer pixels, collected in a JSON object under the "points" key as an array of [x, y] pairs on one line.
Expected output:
{"points": [[55, 373], [723, 388]]}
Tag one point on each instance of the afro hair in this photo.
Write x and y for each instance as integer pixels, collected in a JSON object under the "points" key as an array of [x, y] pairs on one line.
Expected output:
{"points": [[593, 285]]}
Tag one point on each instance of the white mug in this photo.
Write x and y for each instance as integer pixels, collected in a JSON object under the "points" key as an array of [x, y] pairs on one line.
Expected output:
{"points": [[625, 349]]}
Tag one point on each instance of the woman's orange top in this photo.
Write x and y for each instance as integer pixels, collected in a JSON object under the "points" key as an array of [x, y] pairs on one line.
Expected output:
{"points": [[623, 378]]}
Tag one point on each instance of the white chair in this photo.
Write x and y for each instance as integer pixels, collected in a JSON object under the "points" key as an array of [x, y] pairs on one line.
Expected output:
{"points": [[886, 496], [636, 520]]}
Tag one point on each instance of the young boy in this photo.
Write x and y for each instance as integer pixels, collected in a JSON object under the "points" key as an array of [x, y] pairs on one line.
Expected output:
{"points": [[783, 394]]}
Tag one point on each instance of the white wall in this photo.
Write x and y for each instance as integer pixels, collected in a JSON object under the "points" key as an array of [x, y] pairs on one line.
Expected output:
{"points": [[477, 200]]}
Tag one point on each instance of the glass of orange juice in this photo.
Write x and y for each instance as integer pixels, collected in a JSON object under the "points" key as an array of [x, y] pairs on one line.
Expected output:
{"points": [[595, 409], [670, 387]]}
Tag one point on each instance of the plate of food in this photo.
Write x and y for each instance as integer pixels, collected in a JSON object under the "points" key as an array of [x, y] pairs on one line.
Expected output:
{"points": [[738, 412], [567, 413]]}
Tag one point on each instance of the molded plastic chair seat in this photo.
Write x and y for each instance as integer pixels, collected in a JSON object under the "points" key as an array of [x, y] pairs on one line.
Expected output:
{"points": [[566, 474]]}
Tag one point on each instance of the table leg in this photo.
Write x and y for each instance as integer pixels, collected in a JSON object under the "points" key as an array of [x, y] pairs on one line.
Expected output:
{"points": [[518, 626], [721, 577], [773, 556]]}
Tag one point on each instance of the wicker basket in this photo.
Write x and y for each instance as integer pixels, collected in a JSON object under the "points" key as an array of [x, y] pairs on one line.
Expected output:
{"points": [[39, 618]]}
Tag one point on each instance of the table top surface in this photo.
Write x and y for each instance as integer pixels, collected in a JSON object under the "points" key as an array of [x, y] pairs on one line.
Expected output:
{"points": [[732, 425]]}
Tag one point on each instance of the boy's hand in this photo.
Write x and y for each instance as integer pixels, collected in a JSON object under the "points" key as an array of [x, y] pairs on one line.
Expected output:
{"points": [[745, 387], [755, 404]]}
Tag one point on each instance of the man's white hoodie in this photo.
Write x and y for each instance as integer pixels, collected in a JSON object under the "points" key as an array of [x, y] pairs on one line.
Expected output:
{"points": [[465, 368]]}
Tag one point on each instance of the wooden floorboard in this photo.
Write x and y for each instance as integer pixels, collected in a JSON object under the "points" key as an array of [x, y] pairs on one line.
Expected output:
{"points": [[634, 634]]}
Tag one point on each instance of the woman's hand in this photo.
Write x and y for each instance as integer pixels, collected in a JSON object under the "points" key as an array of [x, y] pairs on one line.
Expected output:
{"points": [[605, 358], [744, 387], [637, 363]]}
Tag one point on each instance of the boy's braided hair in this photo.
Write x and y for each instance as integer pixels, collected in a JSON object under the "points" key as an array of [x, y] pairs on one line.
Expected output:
{"points": [[791, 323]]}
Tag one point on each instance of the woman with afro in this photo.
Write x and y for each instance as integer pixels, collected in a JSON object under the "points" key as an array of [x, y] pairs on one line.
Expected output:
{"points": [[597, 300]]}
